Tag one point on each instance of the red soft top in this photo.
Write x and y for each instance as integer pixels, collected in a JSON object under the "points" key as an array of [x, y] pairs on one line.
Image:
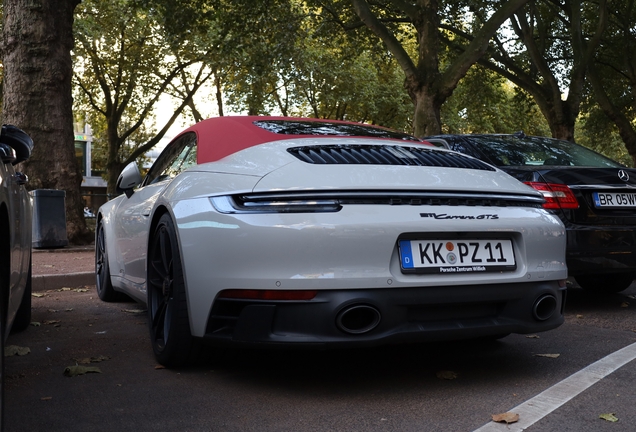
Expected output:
{"points": [[219, 137]]}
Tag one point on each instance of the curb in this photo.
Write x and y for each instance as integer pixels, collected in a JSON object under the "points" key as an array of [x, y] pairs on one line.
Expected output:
{"points": [[70, 280]]}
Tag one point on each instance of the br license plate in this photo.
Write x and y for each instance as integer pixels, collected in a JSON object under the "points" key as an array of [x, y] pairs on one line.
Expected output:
{"points": [[456, 256], [614, 200]]}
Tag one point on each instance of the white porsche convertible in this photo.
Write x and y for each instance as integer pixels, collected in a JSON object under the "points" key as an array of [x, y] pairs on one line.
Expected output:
{"points": [[270, 231]]}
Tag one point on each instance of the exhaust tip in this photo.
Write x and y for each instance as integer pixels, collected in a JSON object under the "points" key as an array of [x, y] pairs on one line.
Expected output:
{"points": [[358, 319], [544, 307]]}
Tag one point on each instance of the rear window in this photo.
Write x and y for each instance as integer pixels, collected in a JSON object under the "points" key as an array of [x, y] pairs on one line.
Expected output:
{"points": [[287, 127], [512, 151]]}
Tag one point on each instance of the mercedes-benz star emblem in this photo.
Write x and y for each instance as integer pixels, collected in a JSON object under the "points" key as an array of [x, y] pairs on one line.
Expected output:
{"points": [[623, 175]]}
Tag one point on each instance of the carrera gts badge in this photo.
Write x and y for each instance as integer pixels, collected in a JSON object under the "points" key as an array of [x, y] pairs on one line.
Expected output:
{"points": [[447, 216]]}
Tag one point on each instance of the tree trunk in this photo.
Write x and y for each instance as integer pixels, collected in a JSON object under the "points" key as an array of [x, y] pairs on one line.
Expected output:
{"points": [[114, 169], [37, 44], [219, 94], [562, 130], [426, 118], [427, 85]]}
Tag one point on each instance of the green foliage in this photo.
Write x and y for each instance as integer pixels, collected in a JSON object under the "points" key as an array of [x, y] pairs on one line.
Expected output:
{"points": [[597, 132], [304, 69], [316, 58], [124, 62], [338, 82], [484, 102], [263, 47]]}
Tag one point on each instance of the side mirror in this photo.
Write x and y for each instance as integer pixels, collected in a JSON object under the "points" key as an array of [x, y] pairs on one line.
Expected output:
{"points": [[129, 178], [7, 154], [18, 140]]}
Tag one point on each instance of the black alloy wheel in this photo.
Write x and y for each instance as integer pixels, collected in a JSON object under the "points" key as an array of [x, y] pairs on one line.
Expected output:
{"points": [[172, 341], [103, 283], [606, 283]]}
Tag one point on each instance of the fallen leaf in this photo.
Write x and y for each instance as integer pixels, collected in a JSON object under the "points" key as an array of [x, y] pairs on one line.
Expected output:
{"points": [[579, 316], [64, 289], [135, 311], [48, 265], [37, 295], [80, 290], [533, 336], [69, 310], [447, 375], [46, 398], [35, 324], [625, 304], [505, 418], [89, 360], [12, 350], [49, 322], [72, 371], [610, 417], [548, 355], [53, 310], [160, 367]]}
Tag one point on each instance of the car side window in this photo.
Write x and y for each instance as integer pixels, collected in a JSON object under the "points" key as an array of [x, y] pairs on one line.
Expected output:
{"points": [[176, 157]]}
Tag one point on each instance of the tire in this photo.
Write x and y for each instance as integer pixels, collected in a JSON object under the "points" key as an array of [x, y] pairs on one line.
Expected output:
{"points": [[606, 283], [168, 319], [3, 320], [23, 315], [103, 283], [5, 271]]}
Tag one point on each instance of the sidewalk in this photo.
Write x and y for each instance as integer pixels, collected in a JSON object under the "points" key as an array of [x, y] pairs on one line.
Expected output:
{"points": [[68, 267]]}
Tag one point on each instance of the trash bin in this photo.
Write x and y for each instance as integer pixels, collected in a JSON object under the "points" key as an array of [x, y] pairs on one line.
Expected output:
{"points": [[49, 218]]}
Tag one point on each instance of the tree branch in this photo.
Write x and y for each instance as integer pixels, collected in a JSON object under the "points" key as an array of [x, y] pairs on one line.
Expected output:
{"points": [[363, 11]]}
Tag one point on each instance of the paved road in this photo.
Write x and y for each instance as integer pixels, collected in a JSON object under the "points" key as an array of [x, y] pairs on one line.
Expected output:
{"points": [[386, 389]]}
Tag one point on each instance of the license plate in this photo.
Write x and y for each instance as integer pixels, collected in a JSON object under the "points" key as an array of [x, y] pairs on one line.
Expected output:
{"points": [[456, 256], [614, 200]]}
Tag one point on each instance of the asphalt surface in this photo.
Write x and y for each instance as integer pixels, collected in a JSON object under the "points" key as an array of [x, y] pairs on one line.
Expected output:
{"points": [[394, 388]]}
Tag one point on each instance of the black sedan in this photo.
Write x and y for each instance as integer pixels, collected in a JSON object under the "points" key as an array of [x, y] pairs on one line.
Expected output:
{"points": [[594, 196]]}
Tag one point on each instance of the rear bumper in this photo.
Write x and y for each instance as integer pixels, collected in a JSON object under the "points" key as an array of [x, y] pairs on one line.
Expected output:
{"points": [[403, 315], [597, 251]]}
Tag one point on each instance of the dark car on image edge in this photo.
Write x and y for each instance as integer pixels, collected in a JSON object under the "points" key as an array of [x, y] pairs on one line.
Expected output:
{"points": [[15, 239], [594, 196]]}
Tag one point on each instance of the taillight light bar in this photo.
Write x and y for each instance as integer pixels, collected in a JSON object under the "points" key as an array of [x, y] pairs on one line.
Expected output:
{"points": [[250, 294], [557, 196], [246, 204]]}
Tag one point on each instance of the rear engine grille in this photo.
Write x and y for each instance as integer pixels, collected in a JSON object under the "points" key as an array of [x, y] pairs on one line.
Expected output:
{"points": [[385, 155]]}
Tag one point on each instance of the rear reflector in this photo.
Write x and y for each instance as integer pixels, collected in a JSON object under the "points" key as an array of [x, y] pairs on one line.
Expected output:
{"points": [[556, 195], [267, 294]]}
